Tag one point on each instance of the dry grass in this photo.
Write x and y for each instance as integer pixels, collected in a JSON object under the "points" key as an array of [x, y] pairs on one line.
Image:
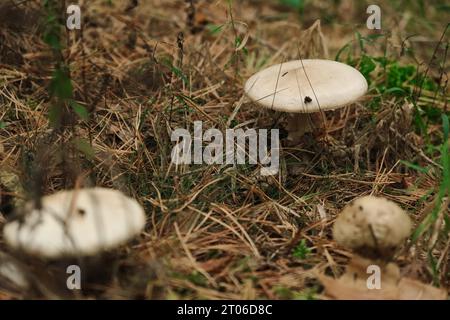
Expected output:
{"points": [[216, 232]]}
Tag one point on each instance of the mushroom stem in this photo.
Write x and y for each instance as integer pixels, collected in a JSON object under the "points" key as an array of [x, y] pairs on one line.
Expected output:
{"points": [[300, 123]]}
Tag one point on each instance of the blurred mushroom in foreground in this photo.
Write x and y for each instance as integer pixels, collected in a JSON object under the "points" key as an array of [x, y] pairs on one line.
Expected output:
{"points": [[74, 230], [304, 87], [374, 228], [76, 223]]}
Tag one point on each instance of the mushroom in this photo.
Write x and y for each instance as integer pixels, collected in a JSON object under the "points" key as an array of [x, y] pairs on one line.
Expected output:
{"points": [[304, 87], [76, 223], [372, 227], [78, 228]]}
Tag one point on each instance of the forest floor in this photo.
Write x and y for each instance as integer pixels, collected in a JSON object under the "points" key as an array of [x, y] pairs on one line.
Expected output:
{"points": [[96, 107]]}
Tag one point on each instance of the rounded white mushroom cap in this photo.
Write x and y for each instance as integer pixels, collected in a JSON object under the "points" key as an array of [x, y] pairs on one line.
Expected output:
{"points": [[372, 225], [76, 223], [306, 86]]}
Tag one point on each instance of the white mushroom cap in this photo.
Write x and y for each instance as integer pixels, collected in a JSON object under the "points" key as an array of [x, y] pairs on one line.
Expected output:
{"points": [[372, 225], [288, 87], [76, 223]]}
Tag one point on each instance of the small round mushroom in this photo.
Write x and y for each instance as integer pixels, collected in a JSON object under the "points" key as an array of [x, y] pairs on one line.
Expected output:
{"points": [[76, 223], [372, 227], [304, 87]]}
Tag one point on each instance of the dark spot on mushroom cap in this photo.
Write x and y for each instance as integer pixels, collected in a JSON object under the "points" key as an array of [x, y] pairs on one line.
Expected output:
{"points": [[285, 73], [360, 208], [307, 99], [81, 212]]}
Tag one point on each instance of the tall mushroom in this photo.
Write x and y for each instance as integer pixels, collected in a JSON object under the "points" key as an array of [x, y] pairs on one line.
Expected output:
{"points": [[305, 87]]}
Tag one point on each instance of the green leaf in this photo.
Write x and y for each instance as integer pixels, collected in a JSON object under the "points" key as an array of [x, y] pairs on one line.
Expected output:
{"points": [[61, 86], [415, 166], [301, 251], [445, 157], [395, 90], [80, 110], [2, 125], [419, 122], [85, 147], [420, 229], [374, 36], [341, 50], [214, 29], [237, 44], [297, 4], [433, 265], [54, 115], [175, 70], [52, 39], [367, 66], [445, 126], [360, 39]]}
